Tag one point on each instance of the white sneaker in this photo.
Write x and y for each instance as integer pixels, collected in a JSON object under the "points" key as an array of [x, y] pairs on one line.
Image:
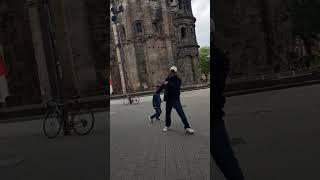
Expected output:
{"points": [[165, 129], [151, 120], [189, 131]]}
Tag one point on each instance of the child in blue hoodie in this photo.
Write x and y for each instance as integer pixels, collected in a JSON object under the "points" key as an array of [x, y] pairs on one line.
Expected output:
{"points": [[156, 102]]}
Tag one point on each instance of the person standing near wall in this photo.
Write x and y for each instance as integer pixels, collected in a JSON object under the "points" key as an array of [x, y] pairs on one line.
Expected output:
{"points": [[4, 91]]}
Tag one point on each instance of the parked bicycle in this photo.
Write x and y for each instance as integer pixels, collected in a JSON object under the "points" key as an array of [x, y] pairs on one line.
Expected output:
{"points": [[131, 99], [80, 120]]}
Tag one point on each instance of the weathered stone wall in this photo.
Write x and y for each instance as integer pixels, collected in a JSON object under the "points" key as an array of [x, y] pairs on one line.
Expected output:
{"points": [[186, 42], [81, 39], [19, 52], [99, 45], [114, 67], [151, 42], [257, 35], [80, 32], [144, 43], [239, 30]]}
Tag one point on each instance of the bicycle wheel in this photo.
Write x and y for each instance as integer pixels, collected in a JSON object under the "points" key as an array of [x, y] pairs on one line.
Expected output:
{"points": [[83, 122], [52, 125], [126, 101], [136, 100]]}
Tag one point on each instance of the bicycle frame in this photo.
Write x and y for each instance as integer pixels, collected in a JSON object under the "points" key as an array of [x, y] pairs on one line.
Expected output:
{"points": [[71, 119], [129, 97], [58, 109]]}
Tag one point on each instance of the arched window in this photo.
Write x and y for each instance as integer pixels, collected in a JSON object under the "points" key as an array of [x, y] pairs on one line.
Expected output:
{"points": [[180, 4], [123, 34], [157, 26], [138, 27], [183, 33], [192, 32]]}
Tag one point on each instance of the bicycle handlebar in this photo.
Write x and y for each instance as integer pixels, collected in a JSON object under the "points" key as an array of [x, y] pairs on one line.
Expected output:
{"points": [[53, 103]]}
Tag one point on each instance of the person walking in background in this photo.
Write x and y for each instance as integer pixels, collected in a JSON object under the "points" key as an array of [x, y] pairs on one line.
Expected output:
{"points": [[4, 91], [172, 86], [156, 102]]}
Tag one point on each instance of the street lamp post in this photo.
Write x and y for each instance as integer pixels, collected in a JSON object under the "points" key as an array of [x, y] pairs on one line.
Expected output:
{"points": [[116, 9], [58, 69]]}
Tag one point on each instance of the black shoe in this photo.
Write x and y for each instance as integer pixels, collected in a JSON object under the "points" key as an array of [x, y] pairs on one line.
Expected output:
{"points": [[158, 119]]}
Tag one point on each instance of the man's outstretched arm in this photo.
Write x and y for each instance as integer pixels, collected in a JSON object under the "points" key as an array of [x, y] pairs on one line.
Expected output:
{"points": [[162, 87]]}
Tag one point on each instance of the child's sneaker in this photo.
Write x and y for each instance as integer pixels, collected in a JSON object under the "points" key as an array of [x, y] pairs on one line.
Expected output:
{"points": [[165, 129], [151, 120], [189, 131]]}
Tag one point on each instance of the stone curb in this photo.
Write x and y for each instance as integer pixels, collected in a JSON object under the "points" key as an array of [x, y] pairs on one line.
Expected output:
{"points": [[272, 88], [37, 117], [147, 93], [36, 111], [227, 94]]}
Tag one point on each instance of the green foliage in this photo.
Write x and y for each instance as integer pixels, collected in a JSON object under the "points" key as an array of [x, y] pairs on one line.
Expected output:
{"points": [[204, 57]]}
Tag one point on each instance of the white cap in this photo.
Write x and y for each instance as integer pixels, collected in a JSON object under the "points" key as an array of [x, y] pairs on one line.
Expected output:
{"points": [[173, 68]]}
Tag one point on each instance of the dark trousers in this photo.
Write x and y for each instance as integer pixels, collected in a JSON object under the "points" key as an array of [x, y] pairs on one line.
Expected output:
{"points": [[176, 105], [158, 112], [222, 152]]}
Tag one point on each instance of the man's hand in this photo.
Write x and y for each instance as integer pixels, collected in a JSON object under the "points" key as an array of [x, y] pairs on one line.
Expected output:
{"points": [[165, 82]]}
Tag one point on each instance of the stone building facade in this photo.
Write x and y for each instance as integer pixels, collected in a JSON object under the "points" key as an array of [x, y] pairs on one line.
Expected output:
{"points": [[155, 34], [80, 33], [257, 34]]}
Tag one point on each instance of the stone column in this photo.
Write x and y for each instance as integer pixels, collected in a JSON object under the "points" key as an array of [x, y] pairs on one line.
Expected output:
{"points": [[36, 30], [167, 32], [127, 19], [196, 69], [119, 58], [83, 61], [63, 47]]}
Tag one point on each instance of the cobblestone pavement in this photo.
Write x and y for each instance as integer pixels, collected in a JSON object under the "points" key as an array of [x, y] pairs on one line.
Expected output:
{"points": [[141, 151], [25, 153], [279, 133]]}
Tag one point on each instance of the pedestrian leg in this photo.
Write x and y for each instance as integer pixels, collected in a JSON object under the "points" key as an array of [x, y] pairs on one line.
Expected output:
{"points": [[4, 92], [158, 112], [179, 109], [223, 154], [155, 114], [168, 114]]}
